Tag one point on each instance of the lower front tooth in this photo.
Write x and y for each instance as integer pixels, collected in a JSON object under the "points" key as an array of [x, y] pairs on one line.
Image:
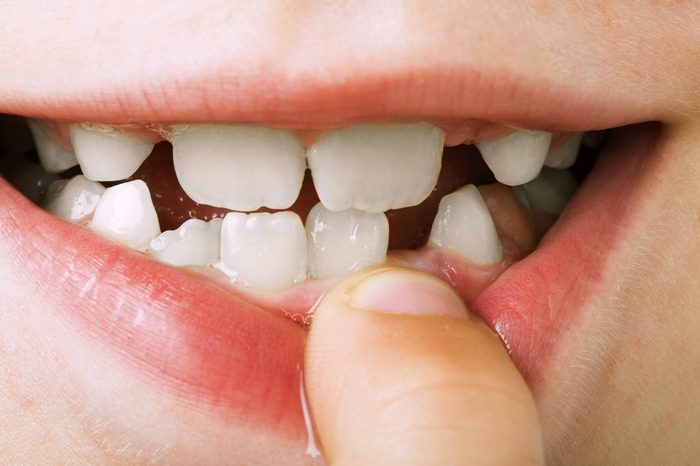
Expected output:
{"points": [[108, 154], [126, 214], [54, 158], [464, 223], [517, 158], [346, 241], [263, 250], [195, 242], [564, 155], [73, 200]]}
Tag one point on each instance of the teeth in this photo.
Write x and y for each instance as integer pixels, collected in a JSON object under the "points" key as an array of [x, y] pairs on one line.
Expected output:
{"points": [[564, 155], [517, 158], [262, 250], [73, 200], [126, 214], [195, 242], [550, 191], [344, 242], [239, 167], [106, 154], [376, 167], [464, 223], [54, 158]]}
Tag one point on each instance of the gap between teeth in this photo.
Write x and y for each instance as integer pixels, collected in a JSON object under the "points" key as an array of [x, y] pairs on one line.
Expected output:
{"points": [[359, 172]]}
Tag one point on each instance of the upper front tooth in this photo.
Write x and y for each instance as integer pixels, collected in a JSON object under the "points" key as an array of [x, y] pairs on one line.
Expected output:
{"points": [[263, 250], [346, 241], [517, 158], [376, 167], [53, 158], [195, 242], [126, 213], [73, 200], [239, 167], [564, 155], [106, 154], [464, 223]]}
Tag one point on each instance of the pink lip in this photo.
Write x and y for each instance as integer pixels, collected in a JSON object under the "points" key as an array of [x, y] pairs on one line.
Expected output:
{"points": [[201, 343]]}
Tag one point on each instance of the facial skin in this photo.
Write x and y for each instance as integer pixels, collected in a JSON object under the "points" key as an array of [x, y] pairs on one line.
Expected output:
{"points": [[617, 388]]}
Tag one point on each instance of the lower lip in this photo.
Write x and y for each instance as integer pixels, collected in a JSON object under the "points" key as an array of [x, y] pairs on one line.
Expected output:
{"points": [[207, 345]]}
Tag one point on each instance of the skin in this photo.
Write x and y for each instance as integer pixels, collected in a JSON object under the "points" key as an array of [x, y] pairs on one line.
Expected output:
{"points": [[620, 389]]}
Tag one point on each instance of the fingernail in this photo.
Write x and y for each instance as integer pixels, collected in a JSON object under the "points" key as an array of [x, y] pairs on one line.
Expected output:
{"points": [[405, 291]]}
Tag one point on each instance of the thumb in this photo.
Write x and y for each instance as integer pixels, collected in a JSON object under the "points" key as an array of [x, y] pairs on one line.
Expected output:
{"points": [[397, 372]]}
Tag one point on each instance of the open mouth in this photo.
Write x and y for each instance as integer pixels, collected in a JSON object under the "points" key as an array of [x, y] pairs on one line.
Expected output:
{"points": [[197, 251]]}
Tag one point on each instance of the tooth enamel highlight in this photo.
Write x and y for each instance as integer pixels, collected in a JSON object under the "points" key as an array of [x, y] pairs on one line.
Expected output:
{"points": [[376, 167], [108, 155], [126, 214], [564, 155], [550, 191], [54, 158], [464, 223], [346, 241], [239, 167], [73, 200], [517, 158], [195, 242], [262, 250]]}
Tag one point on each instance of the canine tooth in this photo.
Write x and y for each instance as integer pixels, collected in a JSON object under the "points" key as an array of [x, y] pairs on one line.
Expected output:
{"points": [[239, 167], [53, 157], [126, 214], [346, 241], [464, 223], [108, 154], [263, 250], [564, 155], [550, 191], [195, 242], [376, 167], [517, 158], [73, 200]]}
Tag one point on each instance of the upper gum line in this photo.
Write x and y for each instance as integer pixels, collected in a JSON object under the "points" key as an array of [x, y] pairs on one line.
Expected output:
{"points": [[456, 132], [311, 141]]}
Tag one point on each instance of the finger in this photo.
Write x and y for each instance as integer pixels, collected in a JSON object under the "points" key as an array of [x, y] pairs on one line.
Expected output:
{"points": [[398, 372]]}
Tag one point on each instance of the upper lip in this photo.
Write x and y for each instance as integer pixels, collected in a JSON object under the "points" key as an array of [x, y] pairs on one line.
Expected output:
{"points": [[238, 71]]}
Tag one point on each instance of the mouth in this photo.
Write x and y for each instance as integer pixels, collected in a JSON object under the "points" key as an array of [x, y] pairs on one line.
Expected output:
{"points": [[195, 248]]}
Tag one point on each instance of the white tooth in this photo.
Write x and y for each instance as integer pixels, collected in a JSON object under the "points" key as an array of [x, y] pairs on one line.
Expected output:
{"points": [[550, 191], [517, 158], [106, 154], [376, 167], [263, 250], [464, 223], [239, 167], [195, 242], [73, 200], [54, 158], [346, 241], [126, 213], [564, 155]]}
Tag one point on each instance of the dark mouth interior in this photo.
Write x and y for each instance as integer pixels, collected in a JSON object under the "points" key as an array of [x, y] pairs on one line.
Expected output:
{"points": [[409, 227]]}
